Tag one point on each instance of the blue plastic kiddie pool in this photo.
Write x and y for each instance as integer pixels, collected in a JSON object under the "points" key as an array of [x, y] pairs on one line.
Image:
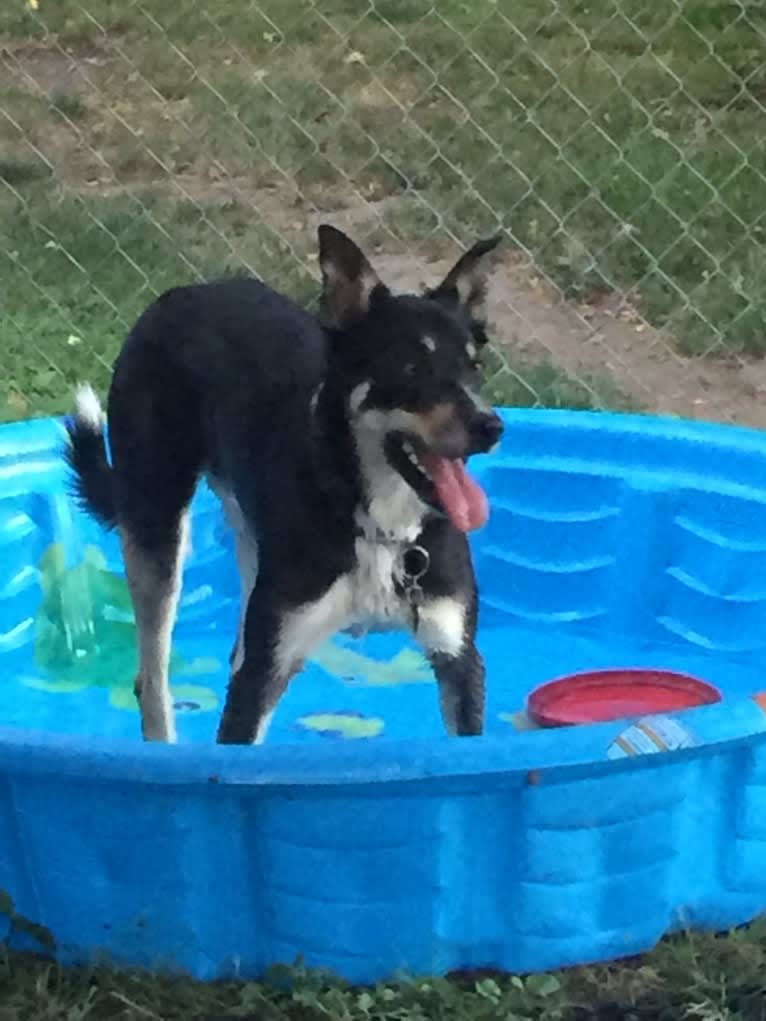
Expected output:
{"points": [[359, 837]]}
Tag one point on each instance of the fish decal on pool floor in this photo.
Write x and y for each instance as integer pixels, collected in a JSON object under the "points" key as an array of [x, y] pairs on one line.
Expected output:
{"points": [[345, 724], [353, 668]]}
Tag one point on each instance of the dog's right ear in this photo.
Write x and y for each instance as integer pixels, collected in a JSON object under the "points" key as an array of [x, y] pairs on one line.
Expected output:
{"points": [[466, 283], [348, 279]]}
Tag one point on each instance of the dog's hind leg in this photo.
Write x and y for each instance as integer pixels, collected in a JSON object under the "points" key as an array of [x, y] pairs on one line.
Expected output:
{"points": [[154, 579], [247, 558], [247, 562], [157, 455]]}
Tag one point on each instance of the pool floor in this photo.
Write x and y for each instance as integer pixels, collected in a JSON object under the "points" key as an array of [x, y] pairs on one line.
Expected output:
{"points": [[374, 687]]}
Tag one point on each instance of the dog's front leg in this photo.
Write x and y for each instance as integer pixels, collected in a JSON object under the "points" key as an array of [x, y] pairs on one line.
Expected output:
{"points": [[274, 642], [446, 630], [461, 690], [257, 681]]}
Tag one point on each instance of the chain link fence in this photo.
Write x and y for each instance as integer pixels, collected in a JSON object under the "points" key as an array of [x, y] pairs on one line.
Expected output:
{"points": [[618, 146]]}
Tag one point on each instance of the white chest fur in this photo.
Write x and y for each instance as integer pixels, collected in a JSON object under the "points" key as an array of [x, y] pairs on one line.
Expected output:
{"points": [[362, 598], [374, 599]]}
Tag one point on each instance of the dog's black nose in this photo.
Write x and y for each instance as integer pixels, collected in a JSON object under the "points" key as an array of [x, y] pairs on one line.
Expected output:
{"points": [[486, 430]]}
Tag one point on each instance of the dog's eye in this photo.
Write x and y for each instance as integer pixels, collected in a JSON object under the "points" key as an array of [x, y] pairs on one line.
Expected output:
{"points": [[409, 369]]}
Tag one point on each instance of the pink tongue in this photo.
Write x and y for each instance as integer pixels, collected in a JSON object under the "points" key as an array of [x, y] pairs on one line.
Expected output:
{"points": [[464, 500]]}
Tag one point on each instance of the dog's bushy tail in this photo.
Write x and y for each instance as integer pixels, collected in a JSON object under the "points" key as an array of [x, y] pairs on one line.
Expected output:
{"points": [[86, 457]]}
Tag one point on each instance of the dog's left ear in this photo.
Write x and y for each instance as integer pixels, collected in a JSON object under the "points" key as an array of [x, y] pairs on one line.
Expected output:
{"points": [[466, 283], [348, 279]]}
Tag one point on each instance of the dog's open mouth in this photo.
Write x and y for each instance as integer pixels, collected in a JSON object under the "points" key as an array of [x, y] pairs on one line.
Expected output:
{"points": [[441, 482]]}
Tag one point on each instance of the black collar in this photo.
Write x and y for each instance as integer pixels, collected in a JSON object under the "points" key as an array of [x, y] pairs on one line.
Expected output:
{"points": [[379, 537]]}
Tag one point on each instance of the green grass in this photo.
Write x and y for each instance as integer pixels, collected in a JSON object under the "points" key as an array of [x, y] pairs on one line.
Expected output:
{"points": [[77, 271], [700, 978], [616, 163], [522, 383]]}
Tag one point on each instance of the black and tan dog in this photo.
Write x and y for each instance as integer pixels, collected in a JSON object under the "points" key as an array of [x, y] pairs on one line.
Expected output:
{"points": [[337, 446]]}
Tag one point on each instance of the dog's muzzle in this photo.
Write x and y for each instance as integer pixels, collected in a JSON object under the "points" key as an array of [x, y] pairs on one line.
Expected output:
{"points": [[484, 432]]}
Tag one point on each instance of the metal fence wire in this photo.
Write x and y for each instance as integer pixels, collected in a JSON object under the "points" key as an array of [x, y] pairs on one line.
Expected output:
{"points": [[618, 145]]}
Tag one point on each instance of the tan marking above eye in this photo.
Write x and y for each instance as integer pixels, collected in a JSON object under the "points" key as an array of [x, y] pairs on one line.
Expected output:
{"points": [[439, 414], [428, 343]]}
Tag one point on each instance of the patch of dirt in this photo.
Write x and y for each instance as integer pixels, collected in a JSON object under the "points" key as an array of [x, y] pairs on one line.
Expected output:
{"points": [[54, 75], [613, 339], [47, 70]]}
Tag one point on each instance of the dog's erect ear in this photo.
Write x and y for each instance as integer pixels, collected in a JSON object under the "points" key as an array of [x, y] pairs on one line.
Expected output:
{"points": [[466, 283], [348, 279]]}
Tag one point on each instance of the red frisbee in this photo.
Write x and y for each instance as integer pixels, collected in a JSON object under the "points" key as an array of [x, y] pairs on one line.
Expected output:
{"points": [[600, 695]]}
